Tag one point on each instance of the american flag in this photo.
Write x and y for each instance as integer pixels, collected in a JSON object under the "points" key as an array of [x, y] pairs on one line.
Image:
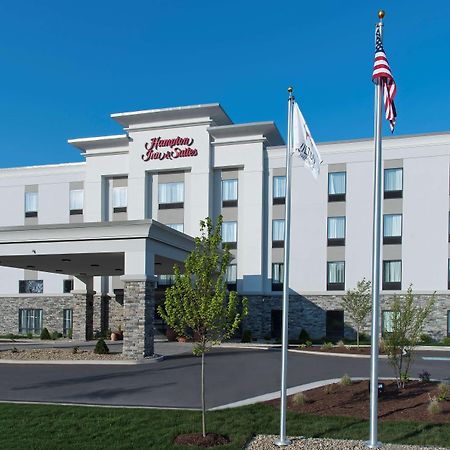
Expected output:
{"points": [[382, 74]]}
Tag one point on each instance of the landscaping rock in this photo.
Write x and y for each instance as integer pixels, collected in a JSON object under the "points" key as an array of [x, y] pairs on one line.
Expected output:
{"points": [[262, 442]]}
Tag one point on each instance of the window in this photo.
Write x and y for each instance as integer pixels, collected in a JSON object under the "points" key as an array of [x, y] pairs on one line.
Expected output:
{"points": [[67, 286], [229, 192], [279, 190], [171, 195], [231, 277], [176, 226], [278, 233], [392, 229], [392, 275], [277, 276], [386, 321], [393, 183], [229, 234], [119, 199], [166, 280], [336, 231], [67, 322], [31, 286], [31, 204], [30, 321], [336, 186], [76, 201], [336, 276]]}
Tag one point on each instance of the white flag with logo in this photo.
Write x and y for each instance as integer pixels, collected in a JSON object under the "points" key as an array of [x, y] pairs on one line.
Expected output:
{"points": [[303, 143]]}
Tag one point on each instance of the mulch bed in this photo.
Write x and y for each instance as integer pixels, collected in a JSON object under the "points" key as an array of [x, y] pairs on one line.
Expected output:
{"points": [[337, 349], [407, 404], [197, 440]]}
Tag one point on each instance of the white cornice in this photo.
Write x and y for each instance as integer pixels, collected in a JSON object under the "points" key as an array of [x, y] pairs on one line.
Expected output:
{"points": [[100, 142]]}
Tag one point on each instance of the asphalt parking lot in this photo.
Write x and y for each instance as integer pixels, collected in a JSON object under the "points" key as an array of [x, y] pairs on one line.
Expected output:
{"points": [[231, 375]]}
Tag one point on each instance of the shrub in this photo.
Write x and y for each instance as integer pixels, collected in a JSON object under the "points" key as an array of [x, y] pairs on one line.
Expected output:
{"points": [[424, 376], [341, 344], [328, 389], [404, 378], [434, 407], [302, 346], [56, 335], [326, 346], [345, 380], [443, 392], [446, 341], [29, 335], [14, 350], [303, 336], [246, 336], [267, 337], [101, 348], [70, 333], [75, 349], [299, 399], [308, 343], [426, 339], [45, 335]]}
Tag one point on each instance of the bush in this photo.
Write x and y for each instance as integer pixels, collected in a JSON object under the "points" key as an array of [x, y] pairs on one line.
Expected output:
{"points": [[45, 335], [303, 336], [299, 399], [326, 346], [446, 341], [443, 392], [29, 335], [345, 380], [56, 335], [14, 350], [426, 339], [75, 349], [424, 377], [70, 333], [246, 336], [308, 343], [267, 337], [101, 348], [434, 406], [328, 389], [341, 344]]}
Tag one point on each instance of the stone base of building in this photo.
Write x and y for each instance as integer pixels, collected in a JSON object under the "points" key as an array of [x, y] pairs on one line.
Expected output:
{"points": [[318, 316]]}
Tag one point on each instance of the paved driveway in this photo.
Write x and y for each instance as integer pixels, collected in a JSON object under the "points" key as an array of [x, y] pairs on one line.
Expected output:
{"points": [[231, 375]]}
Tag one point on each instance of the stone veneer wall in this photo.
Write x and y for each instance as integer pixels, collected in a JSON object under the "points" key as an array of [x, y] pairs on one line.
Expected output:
{"points": [[83, 315], [115, 314], [310, 313], [52, 310], [138, 319]]}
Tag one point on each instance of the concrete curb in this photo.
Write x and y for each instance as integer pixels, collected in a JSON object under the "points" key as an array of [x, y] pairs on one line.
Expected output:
{"points": [[101, 362], [290, 391], [339, 355]]}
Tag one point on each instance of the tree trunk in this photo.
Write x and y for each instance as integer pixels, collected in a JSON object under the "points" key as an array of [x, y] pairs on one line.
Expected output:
{"points": [[357, 338], [203, 395]]}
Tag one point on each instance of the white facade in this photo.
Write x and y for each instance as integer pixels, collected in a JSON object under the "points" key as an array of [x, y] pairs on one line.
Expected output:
{"points": [[118, 184]]}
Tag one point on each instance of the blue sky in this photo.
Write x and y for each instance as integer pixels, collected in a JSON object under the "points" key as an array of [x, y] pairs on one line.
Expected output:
{"points": [[66, 66]]}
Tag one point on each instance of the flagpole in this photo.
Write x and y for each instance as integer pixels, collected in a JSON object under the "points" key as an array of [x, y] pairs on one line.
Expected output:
{"points": [[283, 441], [376, 250]]}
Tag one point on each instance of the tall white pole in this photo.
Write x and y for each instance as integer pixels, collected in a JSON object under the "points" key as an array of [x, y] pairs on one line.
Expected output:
{"points": [[376, 251], [283, 441]]}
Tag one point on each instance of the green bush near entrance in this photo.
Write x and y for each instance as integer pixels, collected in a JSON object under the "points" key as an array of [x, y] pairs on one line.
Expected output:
{"points": [[101, 348], [45, 335]]}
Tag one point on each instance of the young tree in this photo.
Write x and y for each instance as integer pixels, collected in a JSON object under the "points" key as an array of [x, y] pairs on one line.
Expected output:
{"points": [[357, 304], [198, 305], [406, 325]]}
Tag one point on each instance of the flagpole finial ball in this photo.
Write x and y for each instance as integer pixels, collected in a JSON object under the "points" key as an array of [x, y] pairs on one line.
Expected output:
{"points": [[290, 90], [380, 14]]}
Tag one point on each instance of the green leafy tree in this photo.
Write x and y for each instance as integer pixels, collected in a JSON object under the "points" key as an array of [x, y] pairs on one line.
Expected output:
{"points": [[406, 326], [198, 304], [357, 304]]}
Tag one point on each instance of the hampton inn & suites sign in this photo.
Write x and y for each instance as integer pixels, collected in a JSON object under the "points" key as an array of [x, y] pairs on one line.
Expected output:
{"points": [[179, 147]]}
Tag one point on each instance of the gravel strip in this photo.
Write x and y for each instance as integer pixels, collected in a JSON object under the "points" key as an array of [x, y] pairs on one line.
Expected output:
{"points": [[263, 442], [51, 354]]}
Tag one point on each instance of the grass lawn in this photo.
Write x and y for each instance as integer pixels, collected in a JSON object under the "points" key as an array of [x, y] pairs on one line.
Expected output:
{"points": [[74, 427]]}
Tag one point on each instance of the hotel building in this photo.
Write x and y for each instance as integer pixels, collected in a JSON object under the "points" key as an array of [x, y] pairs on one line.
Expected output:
{"points": [[87, 247]]}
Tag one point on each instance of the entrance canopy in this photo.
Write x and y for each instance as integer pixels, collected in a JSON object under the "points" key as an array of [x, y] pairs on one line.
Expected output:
{"points": [[141, 247]]}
